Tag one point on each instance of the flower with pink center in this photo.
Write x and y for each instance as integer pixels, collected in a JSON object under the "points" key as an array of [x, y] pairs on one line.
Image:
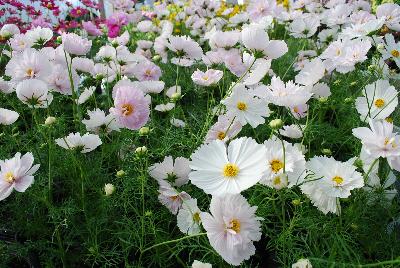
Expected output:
{"points": [[131, 108], [16, 173], [147, 71]]}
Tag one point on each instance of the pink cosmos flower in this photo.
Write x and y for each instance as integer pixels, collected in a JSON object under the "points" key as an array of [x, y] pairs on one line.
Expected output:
{"points": [[147, 71], [207, 78], [78, 12], [115, 22], [131, 108], [91, 28], [16, 173], [74, 44]]}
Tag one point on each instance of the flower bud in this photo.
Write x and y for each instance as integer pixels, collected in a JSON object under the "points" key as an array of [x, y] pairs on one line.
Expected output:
{"points": [[348, 100], [144, 131], [176, 96], [109, 189], [49, 120], [120, 173], [141, 150], [326, 151], [296, 202], [323, 100], [156, 57], [276, 123]]}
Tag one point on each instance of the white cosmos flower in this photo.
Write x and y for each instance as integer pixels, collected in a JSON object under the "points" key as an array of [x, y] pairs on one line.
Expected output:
{"points": [[283, 167], [379, 140], [378, 102], [34, 93], [188, 218], [176, 172], [392, 49], [165, 107], [311, 73], [177, 122], [232, 227], [329, 181], [199, 264], [224, 129], [292, 131], [245, 107], [85, 95], [8, 117], [39, 35], [84, 144], [288, 95], [257, 72], [98, 121], [219, 169], [5, 86], [304, 27], [16, 173], [28, 64]]}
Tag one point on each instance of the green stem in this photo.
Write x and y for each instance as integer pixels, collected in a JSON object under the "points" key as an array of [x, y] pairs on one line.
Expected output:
{"points": [[172, 241]]}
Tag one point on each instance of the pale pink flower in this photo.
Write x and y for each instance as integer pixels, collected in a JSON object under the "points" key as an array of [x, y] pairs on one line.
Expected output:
{"points": [[208, 78], [232, 227], [75, 44], [146, 70], [224, 129], [16, 173], [170, 197], [131, 108]]}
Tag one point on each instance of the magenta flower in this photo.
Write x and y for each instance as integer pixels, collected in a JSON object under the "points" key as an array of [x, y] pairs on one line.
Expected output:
{"points": [[115, 22], [131, 108], [78, 12]]}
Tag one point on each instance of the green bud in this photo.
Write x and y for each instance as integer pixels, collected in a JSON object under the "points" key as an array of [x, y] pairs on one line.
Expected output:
{"points": [[276, 123]]}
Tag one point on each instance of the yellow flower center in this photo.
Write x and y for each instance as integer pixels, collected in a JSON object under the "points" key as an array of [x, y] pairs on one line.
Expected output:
{"points": [[127, 109], [196, 217], [379, 103], [395, 53], [221, 135], [148, 72], [389, 120], [390, 141], [205, 77], [338, 180], [235, 225], [30, 72], [296, 110], [9, 177], [277, 180], [276, 165], [174, 197], [241, 106], [230, 170], [78, 11]]}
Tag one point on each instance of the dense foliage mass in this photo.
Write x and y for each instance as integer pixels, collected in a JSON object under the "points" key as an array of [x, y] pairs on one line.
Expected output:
{"points": [[199, 133]]}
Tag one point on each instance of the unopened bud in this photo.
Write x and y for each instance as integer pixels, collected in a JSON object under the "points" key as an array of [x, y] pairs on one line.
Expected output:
{"points": [[276, 123], [109, 189], [49, 120], [144, 131]]}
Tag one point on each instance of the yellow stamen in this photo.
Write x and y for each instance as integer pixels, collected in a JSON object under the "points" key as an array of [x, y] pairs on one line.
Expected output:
{"points": [[196, 217], [241, 106], [9, 177], [379, 103], [127, 109], [395, 53], [276, 165], [277, 180], [339, 180], [30, 72], [230, 170], [235, 225], [221, 135]]}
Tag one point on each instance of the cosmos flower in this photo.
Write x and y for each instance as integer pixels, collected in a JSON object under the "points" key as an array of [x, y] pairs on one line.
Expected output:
{"points": [[245, 107], [8, 117], [329, 181], [16, 173], [171, 198], [34, 93], [131, 108], [284, 166], [188, 218], [208, 78], [232, 226], [288, 95], [100, 122], [75, 44], [84, 144], [224, 129], [379, 100], [176, 172], [219, 169]]}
